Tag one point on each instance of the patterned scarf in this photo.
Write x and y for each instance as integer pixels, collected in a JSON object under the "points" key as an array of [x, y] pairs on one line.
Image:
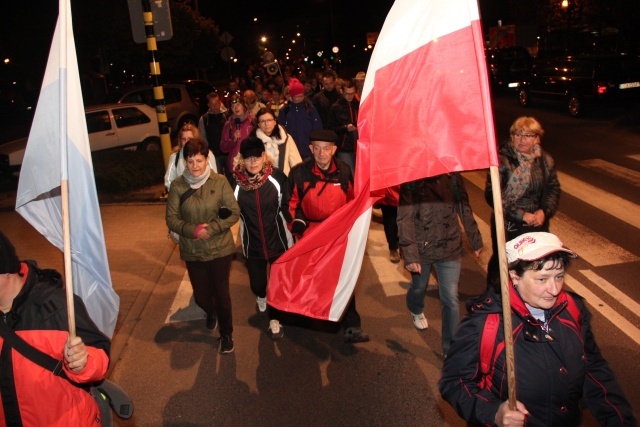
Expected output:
{"points": [[520, 179], [252, 182]]}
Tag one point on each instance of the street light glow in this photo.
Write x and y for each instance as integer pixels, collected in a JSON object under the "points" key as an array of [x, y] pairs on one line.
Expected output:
{"points": [[565, 3], [263, 39]]}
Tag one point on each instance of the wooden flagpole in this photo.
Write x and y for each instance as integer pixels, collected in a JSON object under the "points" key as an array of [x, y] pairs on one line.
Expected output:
{"points": [[504, 284], [64, 10]]}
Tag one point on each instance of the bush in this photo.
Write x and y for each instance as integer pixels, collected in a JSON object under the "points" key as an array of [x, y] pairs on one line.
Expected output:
{"points": [[120, 171]]}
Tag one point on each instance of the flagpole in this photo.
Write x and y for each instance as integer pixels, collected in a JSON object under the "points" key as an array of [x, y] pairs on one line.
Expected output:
{"points": [[64, 183], [504, 284]]}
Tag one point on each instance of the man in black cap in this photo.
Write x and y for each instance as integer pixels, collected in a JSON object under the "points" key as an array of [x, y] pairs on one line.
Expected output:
{"points": [[316, 188], [33, 304]]}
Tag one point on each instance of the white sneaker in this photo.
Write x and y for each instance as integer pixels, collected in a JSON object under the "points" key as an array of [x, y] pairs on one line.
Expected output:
{"points": [[419, 321], [262, 305], [275, 329]]}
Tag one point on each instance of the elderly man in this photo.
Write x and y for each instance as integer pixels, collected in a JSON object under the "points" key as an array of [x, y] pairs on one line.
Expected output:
{"points": [[317, 187], [33, 308], [252, 103]]}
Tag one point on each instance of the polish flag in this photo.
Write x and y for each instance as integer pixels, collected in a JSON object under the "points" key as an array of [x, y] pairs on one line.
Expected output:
{"points": [[425, 110]]}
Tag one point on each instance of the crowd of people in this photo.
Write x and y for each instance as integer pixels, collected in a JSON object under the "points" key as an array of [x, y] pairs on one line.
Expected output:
{"points": [[290, 147]]}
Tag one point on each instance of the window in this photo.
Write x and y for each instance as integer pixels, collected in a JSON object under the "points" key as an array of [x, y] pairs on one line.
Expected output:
{"points": [[129, 116], [98, 121]]}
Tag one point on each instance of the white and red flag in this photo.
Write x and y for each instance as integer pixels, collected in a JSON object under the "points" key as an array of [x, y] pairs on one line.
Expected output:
{"points": [[425, 110]]}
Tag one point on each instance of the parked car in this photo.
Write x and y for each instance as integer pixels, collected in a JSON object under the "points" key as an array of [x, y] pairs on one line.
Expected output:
{"points": [[180, 106], [199, 89], [129, 126], [576, 80], [508, 66]]}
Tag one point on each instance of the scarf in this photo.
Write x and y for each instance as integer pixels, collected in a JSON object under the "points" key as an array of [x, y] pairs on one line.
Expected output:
{"points": [[196, 182], [271, 143], [520, 179], [252, 182]]}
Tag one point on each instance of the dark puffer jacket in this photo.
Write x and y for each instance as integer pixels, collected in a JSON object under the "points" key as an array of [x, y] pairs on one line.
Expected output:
{"points": [[264, 230], [555, 368]]}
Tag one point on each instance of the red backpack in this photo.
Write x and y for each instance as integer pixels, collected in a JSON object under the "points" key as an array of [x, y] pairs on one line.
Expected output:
{"points": [[489, 352]]}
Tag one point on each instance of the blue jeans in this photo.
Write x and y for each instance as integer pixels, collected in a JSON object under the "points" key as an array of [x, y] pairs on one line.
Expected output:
{"points": [[448, 276]]}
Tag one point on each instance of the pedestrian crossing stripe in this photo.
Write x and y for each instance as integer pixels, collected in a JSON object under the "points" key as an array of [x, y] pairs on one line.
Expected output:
{"points": [[615, 171]]}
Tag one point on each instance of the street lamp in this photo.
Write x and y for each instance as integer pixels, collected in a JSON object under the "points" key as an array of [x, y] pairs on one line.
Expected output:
{"points": [[565, 3]]}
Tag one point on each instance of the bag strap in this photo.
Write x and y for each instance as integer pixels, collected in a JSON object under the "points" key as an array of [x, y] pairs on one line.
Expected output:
{"points": [[38, 357], [186, 195], [487, 343]]}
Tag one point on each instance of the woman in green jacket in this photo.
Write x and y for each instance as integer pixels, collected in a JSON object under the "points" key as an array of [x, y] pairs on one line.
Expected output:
{"points": [[201, 209]]}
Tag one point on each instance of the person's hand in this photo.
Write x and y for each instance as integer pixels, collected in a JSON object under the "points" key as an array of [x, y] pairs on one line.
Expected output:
{"points": [[203, 234], [414, 267], [478, 252], [528, 218], [351, 127], [237, 135], [539, 218], [224, 212], [298, 227], [505, 417], [75, 354]]}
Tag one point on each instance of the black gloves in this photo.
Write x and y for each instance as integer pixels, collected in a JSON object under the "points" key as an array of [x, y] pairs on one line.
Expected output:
{"points": [[224, 212], [298, 227]]}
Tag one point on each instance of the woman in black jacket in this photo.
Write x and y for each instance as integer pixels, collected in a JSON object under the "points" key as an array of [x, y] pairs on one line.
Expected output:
{"points": [[263, 228], [529, 185]]}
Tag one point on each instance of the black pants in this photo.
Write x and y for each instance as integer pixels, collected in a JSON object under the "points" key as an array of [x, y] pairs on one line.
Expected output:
{"points": [[210, 283], [389, 217], [259, 279], [351, 317]]}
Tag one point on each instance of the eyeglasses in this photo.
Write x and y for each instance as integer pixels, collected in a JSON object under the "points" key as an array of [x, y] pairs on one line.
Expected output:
{"points": [[349, 93], [252, 159], [526, 135], [262, 122]]}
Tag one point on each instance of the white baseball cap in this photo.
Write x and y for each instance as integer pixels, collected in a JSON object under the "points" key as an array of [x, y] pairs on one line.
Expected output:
{"points": [[533, 246]]}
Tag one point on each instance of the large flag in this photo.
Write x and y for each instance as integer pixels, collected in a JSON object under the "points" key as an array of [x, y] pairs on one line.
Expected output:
{"points": [[425, 110], [58, 149]]}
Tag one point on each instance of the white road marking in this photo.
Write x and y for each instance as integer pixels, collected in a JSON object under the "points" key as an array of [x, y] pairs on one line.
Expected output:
{"points": [[591, 246], [624, 174], [609, 313], [611, 290], [606, 202]]}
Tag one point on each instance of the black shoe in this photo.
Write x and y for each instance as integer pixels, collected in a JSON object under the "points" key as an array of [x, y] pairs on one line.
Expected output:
{"points": [[226, 344], [211, 322], [355, 335]]}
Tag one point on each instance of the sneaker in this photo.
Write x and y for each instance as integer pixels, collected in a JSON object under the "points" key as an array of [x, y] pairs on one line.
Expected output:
{"points": [[275, 329], [355, 335], [226, 344], [394, 256], [261, 304], [211, 322], [419, 321]]}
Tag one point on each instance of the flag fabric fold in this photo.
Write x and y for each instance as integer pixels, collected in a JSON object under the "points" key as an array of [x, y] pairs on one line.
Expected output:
{"points": [[59, 127], [425, 110]]}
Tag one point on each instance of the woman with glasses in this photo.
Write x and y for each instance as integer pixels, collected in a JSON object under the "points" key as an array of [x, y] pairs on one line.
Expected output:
{"points": [[529, 185], [263, 229], [237, 127], [277, 142], [177, 163]]}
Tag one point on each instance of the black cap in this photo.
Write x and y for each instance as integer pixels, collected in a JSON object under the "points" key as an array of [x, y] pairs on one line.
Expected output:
{"points": [[323, 135], [9, 262], [251, 147]]}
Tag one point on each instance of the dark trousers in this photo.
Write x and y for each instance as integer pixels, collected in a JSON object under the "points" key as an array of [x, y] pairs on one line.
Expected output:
{"points": [[210, 283], [389, 217], [259, 279], [351, 317]]}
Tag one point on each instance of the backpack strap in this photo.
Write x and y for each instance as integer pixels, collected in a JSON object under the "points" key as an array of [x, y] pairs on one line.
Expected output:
{"points": [[487, 348]]}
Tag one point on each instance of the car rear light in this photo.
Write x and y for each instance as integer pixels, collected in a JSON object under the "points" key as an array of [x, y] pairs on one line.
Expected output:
{"points": [[601, 88]]}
